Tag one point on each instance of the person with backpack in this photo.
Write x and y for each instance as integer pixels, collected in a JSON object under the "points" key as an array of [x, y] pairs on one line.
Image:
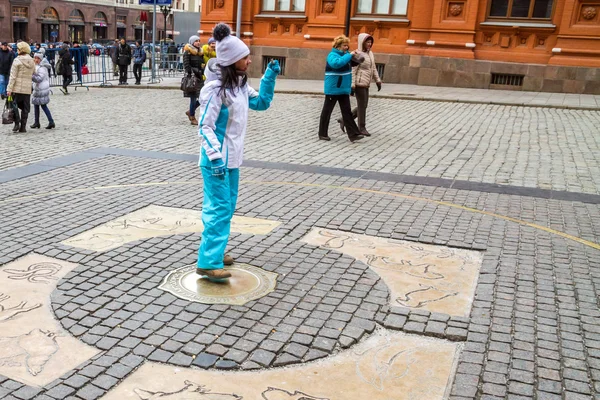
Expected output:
{"points": [[124, 59], [41, 91], [64, 67], [193, 65], [139, 58], [225, 101]]}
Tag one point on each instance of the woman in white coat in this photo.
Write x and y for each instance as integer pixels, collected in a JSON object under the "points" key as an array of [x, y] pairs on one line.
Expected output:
{"points": [[41, 90], [362, 76]]}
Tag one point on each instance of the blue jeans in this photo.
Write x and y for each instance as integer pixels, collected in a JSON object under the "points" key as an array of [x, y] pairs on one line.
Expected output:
{"points": [[36, 113], [220, 198], [194, 104], [3, 83]]}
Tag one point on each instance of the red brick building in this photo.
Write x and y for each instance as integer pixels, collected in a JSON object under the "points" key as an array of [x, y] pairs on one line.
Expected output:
{"points": [[547, 45], [56, 20]]}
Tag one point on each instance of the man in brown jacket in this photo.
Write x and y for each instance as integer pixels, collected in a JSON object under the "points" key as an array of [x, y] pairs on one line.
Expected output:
{"points": [[19, 85]]}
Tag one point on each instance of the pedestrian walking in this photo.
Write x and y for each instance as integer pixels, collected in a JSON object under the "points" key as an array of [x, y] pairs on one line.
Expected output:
{"points": [[338, 84], [41, 90], [172, 56], [6, 60], [114, 56], [139, 58], [19, 84], [362, 76], [124, 61], [64, 67], [209, 52], [51, 56], [80, 57], [193, 64], [224, 102]]}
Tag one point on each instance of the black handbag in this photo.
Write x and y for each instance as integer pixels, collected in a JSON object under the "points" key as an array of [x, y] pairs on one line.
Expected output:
{"points": [[10, 113], [190, 83]]}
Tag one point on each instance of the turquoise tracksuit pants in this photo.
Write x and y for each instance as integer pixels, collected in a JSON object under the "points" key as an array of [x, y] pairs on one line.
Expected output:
{"points": [[220, 198]]}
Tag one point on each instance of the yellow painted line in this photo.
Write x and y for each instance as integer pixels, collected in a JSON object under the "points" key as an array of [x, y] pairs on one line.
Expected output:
{"points": [[316, 185]]}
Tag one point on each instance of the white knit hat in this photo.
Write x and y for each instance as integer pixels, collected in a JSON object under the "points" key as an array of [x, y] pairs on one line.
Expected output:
{"points": [[230, 49]]}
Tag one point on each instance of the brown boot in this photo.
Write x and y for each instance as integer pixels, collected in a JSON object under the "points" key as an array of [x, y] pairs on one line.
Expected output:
{"points": [[193, 120], [228, 260], [215, 275]]}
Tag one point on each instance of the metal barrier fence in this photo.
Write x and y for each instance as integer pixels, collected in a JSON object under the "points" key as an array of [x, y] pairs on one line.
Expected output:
{"points": [[101, 68]]}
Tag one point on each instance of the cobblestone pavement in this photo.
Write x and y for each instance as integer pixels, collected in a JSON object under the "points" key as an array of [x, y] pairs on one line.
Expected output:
{"points": [[534, 326], [544, 148]]}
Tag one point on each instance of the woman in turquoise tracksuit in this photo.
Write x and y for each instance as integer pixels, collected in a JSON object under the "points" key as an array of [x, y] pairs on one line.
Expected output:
{"points": [[224, 103], [338, 84]]}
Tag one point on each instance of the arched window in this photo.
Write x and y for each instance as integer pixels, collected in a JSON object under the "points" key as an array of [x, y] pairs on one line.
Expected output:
{"points": [[76, 15], [50, 14], [100, 18]]}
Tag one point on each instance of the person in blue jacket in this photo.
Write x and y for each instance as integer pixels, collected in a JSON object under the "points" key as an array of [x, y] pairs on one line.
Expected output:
{"points": [[224, 103], [338, 84]]}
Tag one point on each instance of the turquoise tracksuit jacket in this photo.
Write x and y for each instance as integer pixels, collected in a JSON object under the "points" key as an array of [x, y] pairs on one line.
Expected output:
{"points": [[338, 73], [224, 117]]}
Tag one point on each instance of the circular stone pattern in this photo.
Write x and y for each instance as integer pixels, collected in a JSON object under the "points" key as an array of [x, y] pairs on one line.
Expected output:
{"points": [[323, 301], [246, 283]]}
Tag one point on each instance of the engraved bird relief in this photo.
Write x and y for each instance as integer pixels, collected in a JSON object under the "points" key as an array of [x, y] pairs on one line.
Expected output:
{"points": [[339, 240], [405, 266], [33, 350], [36, 273], [191, 391], [280, 394], [426, 294], [379, 365], [152, 223], [8, 313]]}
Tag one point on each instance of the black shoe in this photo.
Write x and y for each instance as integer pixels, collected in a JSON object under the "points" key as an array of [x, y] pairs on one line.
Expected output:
{"points": [[364, 132], [3, 96], [137, 83], [16, 127], [125, 83], [51, 125], [36, 125], [23, 129], [327, 138], [342, 127], [355, 138]]}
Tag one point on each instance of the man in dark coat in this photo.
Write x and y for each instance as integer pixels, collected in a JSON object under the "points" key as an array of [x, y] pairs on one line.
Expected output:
{"points": [[172, 53], [6, 60], [124, 59], [65, 69]]}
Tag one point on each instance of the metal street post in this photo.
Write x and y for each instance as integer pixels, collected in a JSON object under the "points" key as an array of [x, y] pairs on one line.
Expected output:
{"points": [[347, 22]]}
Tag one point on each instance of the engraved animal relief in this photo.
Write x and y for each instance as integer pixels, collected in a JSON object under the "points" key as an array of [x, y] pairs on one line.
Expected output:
{"points": [[36, 273], [152, 223], [191, 391], [33, 350], [99, 241], [405, 266], [280, 394], [339, 240], [7, 313], [381, 364], [426, 294], [449, 257]]}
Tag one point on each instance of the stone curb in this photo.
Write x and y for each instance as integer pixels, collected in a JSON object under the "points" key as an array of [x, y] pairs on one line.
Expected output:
{"points": [[393, 97], [421, 322]]}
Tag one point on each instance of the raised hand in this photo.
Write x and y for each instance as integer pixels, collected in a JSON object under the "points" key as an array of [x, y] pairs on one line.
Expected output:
{"points": [[274, 66]]}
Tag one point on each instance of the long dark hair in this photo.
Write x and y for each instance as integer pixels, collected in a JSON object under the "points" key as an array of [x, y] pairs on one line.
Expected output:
{"points": [[230, 78]]}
